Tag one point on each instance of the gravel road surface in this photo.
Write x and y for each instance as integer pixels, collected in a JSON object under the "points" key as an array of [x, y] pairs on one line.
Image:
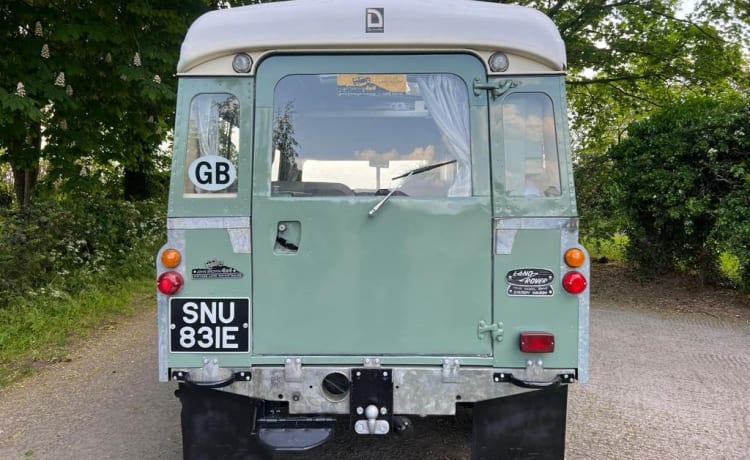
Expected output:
{"points": [[664, 385]]}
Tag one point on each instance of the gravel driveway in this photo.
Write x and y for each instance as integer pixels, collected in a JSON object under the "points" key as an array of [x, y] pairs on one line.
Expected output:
{"points": [[664, 385]]}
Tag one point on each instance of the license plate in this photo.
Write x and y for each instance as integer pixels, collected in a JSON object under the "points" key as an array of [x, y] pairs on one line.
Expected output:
{"points": [[209, 325]]}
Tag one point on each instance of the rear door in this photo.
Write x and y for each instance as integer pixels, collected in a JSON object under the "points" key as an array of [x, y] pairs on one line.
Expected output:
{"points": [[331, 134]]}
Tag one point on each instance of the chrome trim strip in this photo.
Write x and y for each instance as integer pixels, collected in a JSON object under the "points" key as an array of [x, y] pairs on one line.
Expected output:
{"points": [[190, 223], [237, 227], [544, 223], [241, 240], [504, 240]]}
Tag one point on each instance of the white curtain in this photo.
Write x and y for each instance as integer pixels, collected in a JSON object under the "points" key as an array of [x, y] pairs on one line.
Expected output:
{"points": [[206, 116], [447, 101]]}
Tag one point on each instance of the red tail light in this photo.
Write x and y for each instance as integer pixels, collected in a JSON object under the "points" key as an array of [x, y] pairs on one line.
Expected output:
{"points": [[537, 342], [169, 283], [574, 282]]}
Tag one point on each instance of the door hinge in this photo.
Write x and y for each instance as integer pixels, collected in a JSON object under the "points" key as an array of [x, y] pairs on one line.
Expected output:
{"points": [[497, 88], [495, 330]]}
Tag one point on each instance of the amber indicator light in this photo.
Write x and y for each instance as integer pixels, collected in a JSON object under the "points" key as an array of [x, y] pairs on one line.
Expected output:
{"points": [[574, 257], [171, 258]]}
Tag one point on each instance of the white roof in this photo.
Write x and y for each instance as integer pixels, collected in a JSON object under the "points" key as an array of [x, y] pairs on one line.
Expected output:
{"points": [[337, 24]]}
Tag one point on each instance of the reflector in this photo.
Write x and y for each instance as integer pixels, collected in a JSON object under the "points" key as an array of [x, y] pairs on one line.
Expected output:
{"points": [[537, 342]]}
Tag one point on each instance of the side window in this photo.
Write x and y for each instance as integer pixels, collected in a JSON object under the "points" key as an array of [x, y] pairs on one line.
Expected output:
{"points": [[212, 145], [530, 143], [355, 134]]}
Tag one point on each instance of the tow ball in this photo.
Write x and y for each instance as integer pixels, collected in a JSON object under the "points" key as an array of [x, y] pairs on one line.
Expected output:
{"points": [[371, 401]]}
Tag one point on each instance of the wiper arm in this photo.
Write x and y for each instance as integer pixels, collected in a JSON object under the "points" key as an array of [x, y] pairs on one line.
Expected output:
{"points": [[407, 175], [422, 169]]}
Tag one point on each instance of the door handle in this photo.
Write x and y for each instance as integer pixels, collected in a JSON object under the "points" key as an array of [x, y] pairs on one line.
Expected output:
{"points": [[288, 235]]}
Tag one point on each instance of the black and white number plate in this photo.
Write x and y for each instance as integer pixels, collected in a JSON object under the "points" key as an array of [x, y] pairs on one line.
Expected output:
{"points": [[216, 325]]}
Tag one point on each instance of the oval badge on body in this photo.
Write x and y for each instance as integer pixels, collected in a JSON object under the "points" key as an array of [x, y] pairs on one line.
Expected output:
{"points": [[529, 282], [212, 173], [530, 277]]}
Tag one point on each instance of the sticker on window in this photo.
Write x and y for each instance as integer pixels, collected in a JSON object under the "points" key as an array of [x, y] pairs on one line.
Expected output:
{"points": [[212, 173], [359, 84]]}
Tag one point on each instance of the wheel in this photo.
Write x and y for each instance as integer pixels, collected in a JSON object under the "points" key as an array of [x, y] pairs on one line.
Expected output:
{"points": [[216, 424]]}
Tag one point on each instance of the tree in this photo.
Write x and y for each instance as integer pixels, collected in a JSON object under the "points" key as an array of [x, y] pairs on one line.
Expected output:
{"points": [[627, 58], [684, 184], [286, 145], [96, 79]]}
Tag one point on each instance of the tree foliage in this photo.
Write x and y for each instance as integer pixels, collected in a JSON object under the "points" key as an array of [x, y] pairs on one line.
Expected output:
{"points": [[627, 58], [684, 178], [96, 79]]}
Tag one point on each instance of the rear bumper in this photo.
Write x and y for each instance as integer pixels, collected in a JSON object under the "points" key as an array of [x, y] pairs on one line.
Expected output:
{"points": [[423, 390]]}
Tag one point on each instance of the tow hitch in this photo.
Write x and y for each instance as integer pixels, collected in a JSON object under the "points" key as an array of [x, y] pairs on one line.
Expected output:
{"points": [[371, 401]]}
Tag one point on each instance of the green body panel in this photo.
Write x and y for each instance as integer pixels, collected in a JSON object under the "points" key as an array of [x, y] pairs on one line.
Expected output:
{"points": [[557, 314], [210, 244], [414, 279], [205, 245], [181, 206], [504, 205]]}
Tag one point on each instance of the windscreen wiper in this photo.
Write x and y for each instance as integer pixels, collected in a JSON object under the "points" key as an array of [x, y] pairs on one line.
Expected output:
{"points": [[407, 175]]}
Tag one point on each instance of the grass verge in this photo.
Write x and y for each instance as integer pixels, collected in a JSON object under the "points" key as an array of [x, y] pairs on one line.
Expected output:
{"points": [[39, 330]]}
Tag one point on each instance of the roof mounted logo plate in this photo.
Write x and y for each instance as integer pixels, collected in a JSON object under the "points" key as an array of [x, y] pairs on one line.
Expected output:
{"points": [[375, 22]]}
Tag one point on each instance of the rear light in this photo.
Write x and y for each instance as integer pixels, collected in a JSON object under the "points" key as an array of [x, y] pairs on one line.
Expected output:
{"points": [[171, 258], [574, 282], [574, 257], [169, 283], [537, 342]]}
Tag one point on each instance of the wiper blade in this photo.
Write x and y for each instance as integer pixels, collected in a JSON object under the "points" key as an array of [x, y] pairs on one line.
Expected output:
{"points": [[407, 175], [422, 169]]}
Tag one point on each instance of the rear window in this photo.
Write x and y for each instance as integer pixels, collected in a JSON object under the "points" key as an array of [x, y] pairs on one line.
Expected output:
{"points": [[530, 144], [213, 146], [351, 134]]}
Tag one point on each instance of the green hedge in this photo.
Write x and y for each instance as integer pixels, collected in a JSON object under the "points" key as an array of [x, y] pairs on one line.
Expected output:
{"points": [[683, 180], [57, 246]]}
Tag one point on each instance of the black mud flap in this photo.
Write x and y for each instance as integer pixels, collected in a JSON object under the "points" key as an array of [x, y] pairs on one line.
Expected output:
{"points": [[216, 424], [526, 426]]}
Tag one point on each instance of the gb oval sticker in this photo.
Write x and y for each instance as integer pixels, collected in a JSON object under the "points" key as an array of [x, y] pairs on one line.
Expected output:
{"points": [[212, 173]]}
